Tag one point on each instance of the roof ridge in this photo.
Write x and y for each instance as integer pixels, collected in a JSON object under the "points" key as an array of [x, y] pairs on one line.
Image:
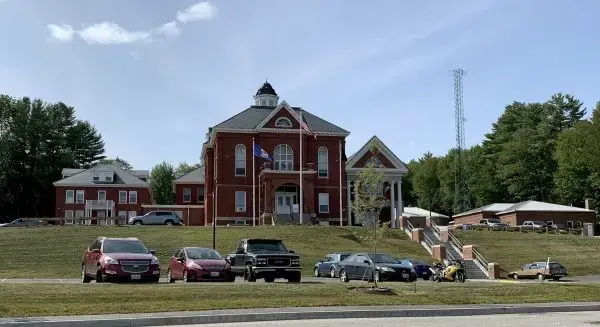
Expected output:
{"points": [[201, 166]]}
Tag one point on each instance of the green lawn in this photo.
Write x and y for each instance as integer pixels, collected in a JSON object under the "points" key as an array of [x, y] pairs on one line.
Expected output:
{"points": [[74, 299], [581, 255], [55, 252]]}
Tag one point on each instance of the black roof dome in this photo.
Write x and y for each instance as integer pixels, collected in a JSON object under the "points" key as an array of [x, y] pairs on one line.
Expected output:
{"points": [[266, 88]]}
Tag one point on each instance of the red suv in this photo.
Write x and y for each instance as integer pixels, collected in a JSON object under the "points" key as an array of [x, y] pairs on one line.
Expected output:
{"points": [[119, 259]]}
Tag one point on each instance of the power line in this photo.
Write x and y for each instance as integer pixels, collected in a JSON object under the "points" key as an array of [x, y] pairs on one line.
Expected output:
{"points": [[462, 198]]}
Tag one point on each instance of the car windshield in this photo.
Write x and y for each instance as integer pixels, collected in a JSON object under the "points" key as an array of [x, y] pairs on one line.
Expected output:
{"points": [[382, 258], [122, 246], [538, 222], [344, 256], [266, 246], [201, 253]]}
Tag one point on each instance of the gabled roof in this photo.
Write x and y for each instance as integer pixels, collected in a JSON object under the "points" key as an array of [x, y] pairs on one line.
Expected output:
{"points": [[537, 206], [420, 212], [195, 176], [494, 207], [84, 177], [383, 149], [251, 119]]}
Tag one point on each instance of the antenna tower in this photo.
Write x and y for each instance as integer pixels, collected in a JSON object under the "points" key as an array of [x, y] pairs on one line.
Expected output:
{"points": [[462, 199]]}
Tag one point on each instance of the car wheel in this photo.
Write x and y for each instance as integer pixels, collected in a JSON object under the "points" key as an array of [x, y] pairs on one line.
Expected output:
{"points": [[169, 277], [515, 276], [426, 277], [540, 277], [332, 273], [249, 274], [169, 223], [295, 278], [99, 278], [317, 274], [84, 277], [137, 222], [343, 277], [269, 279]]}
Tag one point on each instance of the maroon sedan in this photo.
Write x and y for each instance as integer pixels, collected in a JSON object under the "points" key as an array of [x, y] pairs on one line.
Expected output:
{"points": [[199, 264], [119, 259]]}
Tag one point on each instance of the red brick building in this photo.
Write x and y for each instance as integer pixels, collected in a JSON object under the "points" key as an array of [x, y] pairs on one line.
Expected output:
{"points": [[189, 198], [102, 191], [244, 188]]}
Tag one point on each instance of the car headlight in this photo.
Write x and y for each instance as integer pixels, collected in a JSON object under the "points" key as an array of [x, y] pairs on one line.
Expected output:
{"points": [[261, 261], [110, 261], [388, 269], [154, 261], [192, 264]]}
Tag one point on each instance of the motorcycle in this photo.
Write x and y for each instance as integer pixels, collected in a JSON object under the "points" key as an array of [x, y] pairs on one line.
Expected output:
{"points": [[454, 272]]}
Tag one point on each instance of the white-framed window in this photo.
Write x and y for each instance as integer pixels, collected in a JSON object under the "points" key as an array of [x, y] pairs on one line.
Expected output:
{"points": [[69, 214], [323, 202], [570, 224], [375, 162], [122, 216], [80, 196], [132, 214], [187, 195], [240, 160], [102, 195], [283, 122], [132, 196], [122, 196], [201, 195], [323, 162], [240, 201], [283, 157], [579, 224], [69, 196]]}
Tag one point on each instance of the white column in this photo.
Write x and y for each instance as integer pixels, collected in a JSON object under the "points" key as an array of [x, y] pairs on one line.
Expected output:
{"points": [[392, 203], [400, 203], [349, 201]]}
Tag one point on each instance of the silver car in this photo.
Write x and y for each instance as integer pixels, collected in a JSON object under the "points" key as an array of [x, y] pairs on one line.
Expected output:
{"points": [[156, 218]]}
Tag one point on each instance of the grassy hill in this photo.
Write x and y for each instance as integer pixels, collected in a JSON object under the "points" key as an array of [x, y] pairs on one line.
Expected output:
{"points": [[55, 252], [581, 255]]}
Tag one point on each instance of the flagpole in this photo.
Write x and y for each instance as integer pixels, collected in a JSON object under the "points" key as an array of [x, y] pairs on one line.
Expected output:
{"points": [[301, 194], [340, 158], [253, 186]]}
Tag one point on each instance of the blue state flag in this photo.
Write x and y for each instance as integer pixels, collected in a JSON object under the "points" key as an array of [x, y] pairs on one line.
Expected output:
{"points": [[261, 153]]}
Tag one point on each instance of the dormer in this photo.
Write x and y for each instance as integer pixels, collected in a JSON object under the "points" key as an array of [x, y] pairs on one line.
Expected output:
{"points": [[103, 176], [283, 122]]}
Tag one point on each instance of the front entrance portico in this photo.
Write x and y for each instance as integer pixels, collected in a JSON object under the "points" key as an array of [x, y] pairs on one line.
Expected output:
{"points": [[279, 191]]}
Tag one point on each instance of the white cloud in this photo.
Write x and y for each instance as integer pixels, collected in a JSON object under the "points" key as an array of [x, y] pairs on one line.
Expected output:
{"points": [[62, 32], [169, 29], [111, 33], [200, 11]]}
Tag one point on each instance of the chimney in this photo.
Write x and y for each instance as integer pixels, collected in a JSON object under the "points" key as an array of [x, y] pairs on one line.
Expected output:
{"points": [[589, 204]]}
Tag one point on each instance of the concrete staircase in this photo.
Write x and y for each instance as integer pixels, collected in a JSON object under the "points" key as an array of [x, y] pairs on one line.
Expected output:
{"points": [[475, 268]]}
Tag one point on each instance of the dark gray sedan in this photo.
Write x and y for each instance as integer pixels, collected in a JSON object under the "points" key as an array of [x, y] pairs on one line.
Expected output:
{"points": [[326, 266], [359, 266]]}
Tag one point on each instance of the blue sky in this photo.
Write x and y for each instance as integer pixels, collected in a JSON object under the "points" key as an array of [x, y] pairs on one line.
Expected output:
{"points": [[153, 75]]}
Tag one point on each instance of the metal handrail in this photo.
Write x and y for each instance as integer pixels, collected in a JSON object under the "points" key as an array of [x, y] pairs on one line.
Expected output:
{"points": [[434, 225], [453, 239], [428, 240], [480, 258], [409, 225]]}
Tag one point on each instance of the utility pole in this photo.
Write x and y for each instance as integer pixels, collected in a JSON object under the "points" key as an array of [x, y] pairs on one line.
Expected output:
{"points": [[462, 199]]}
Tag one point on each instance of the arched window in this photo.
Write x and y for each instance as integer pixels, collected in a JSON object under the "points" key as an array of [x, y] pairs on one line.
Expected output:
{"points": [[283, 157], [263, 102], [240, 160], [283, 122], [271, 103], [323, 162]]}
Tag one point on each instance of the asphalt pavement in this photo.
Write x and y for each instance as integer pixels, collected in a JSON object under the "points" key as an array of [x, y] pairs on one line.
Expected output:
{"points": [[589, 319]]}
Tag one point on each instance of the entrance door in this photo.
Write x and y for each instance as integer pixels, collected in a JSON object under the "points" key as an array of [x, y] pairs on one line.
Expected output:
{"points": [[285, 200]]}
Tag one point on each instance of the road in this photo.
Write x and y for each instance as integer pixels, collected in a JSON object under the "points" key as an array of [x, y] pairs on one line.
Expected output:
{"points": [[530, 320], [305, 279]]}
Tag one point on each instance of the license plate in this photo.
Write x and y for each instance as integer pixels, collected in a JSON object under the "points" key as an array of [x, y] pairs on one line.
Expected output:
{"points": [[214, 274], [136, 277], [405, 276], [425, 274]]}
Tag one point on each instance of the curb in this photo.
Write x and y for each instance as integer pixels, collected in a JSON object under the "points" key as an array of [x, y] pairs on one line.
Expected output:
{"points": [[231, 316]]}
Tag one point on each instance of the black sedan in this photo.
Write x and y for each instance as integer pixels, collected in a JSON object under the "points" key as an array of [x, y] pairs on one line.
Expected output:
{"points": [[360, 267]]}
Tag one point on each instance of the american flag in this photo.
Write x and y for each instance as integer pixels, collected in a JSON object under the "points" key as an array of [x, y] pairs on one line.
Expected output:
{"points": [[306, 128]]}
